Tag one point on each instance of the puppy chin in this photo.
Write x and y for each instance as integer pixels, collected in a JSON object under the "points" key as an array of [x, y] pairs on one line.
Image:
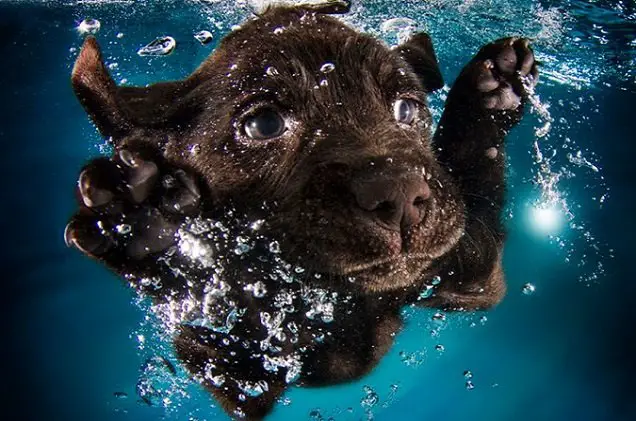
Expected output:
{"points": [[390, 275]]}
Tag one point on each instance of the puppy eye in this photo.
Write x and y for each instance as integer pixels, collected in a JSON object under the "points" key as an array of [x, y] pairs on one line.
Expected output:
{"points": [[405, 110], [264, 124]]}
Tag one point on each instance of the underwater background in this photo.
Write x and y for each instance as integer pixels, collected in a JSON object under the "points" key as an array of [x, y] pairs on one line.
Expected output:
{"points": [[562, 345]]}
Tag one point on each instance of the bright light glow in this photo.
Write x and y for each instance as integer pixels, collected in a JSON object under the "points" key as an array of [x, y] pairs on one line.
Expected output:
{"points": [[546, 218]]}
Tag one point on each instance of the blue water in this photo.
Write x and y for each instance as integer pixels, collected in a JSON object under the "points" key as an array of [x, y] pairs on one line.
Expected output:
{"points": [[565, 352]]}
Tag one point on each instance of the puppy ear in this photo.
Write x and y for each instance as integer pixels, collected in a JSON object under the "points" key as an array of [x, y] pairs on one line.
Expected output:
{"points": [[97, 91], [117, 110], [419, 53]]}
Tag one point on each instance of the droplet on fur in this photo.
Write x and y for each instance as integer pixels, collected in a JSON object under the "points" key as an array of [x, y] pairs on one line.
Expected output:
{"points": [[274, 247], [253, 389], [427, 292], [492, 153], [123, 229], [271, 71], [259, 290], [327, 68]]}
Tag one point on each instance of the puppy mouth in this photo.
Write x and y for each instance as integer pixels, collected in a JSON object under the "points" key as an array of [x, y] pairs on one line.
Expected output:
{"points": [[389, 273]]}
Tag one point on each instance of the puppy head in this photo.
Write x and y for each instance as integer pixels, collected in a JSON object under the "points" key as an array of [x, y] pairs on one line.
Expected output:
{"points": [[323, 130]]}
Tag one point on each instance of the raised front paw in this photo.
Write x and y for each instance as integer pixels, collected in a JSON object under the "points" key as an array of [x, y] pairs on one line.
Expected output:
{"points": [[498, 78], [129, 209], [504, 72]]}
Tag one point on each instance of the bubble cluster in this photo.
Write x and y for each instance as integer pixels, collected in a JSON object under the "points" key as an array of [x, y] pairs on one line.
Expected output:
{"points": [[223, 267]]}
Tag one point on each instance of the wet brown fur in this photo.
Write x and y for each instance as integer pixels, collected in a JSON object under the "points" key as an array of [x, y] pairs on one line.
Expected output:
{"points": [[340, 132]]}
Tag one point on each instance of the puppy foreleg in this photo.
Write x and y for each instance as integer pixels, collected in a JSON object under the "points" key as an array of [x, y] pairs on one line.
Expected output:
{"points": [[485, 103]]}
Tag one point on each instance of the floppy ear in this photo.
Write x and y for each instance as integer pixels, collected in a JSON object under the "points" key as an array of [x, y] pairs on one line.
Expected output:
{"points": [[419, 53], [97, 91], [116, 111]]}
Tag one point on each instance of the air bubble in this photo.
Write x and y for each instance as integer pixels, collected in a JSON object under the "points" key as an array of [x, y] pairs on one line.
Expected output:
{"points": [[204, 37], [161, 46], [253, 389], [438, 317], [426, 293], [528, 289], [156, 381], [370, 399], [401, 28], [271, 71], [259, 290], [89, 26], [274, 247], [123, 229]]}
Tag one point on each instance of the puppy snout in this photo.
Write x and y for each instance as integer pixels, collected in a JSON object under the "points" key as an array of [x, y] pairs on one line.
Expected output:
{"points": [[396, 202]]}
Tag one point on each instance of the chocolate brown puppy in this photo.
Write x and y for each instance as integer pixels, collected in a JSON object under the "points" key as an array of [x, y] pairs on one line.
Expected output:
{"points": [[285, 200]]}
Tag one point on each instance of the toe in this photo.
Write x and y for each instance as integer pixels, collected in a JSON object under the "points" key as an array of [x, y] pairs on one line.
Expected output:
{"points": [[84, 233], [486, 81], [526, 57], [185, 197], [142, 175], [506, 60], [97, 183]]}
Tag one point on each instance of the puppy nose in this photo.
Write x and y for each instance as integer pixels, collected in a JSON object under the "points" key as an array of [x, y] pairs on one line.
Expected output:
{"points": [[396, 202]]}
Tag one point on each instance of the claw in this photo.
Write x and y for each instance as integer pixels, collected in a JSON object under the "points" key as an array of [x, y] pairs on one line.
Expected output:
{"points": [[87, 239], [128, 158], [68, 237], [92, 196]]}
